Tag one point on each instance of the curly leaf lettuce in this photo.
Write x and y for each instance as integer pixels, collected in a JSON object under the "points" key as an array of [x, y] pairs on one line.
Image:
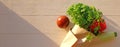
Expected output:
{"points": [[83, 15]]}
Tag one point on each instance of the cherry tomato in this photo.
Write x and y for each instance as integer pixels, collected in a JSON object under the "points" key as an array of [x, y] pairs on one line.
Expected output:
{"points": [[62, 21], [101, 24], [93, 25]]}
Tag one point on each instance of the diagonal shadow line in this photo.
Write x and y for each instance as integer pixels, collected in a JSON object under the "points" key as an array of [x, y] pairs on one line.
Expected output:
{"points": [[16, 32]]}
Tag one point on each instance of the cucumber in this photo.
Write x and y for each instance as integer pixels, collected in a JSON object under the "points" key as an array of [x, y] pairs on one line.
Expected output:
{"points": [[107, 35]]}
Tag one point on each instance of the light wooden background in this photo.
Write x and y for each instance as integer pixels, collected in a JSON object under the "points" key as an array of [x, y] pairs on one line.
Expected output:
{"points": [[32, 23]]}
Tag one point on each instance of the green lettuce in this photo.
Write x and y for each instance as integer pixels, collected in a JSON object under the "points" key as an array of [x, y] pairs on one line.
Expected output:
{"points": [[83, 15]]}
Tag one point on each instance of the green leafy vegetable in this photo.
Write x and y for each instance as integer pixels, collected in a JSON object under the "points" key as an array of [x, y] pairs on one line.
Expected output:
{"points": [[96, 30], [83, 15], [89, 37]]}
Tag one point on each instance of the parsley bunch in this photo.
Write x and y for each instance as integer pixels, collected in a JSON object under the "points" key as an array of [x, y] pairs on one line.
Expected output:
{"points": [[83, 15]]}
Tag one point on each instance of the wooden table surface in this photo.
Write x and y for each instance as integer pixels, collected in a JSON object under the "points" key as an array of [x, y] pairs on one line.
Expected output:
{"points": [[32, 23]]}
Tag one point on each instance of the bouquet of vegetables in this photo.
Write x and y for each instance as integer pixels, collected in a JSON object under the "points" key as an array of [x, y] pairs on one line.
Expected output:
{"points": [[88, 18]]}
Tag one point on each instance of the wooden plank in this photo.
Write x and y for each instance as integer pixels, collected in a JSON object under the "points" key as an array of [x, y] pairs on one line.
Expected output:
{"points": [[26, 40], [47, 25], [32, 23], [17, 32], [58, 7]]}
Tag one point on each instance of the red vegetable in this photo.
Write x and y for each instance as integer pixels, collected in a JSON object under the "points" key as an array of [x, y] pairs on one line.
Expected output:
{"points": [[63, 21], [93, 25], [100, 24]]}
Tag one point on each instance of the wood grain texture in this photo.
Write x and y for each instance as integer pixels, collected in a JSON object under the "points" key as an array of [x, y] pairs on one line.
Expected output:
{"points": [[32, 23], [58, 7], [17, 32], [112, 25]]}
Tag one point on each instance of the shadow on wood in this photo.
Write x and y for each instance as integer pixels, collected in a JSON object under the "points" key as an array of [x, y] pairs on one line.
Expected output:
{"points": [[16, 32]]}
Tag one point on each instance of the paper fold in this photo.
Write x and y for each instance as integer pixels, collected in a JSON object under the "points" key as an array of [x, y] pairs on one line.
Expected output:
{"points": [[69, 40], [73, 36]]}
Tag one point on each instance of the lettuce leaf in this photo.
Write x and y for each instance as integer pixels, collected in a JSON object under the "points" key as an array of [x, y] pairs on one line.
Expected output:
{"points": [[83, 15]]}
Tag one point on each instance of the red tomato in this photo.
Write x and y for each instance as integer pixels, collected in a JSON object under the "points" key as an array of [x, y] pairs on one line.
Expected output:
{"points": [[102, 26], [95, 24], [63, 21]]}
